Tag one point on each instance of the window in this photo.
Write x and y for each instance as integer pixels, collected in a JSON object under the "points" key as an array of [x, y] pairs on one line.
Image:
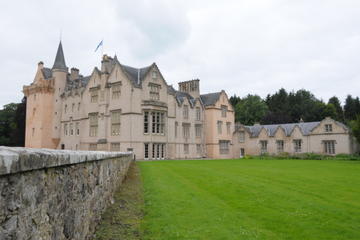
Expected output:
{"points": [[65, 129], [158, 122], [77, 129], [94, 95], [186, 148], [115, 123], [241, 136], [224, 109], [280, 146], [115, 147], [186, 130], [158, 150], [198, 114], [93, 118], [328, 127], [146, 122], [78, 106], [219, 127], [297, 145], [176, 129], [198, 149], [65, 108], [92, 146], [263, 146], [71, 129], [34, 97], [228, 128], [33, 132], [329, 147], [154, 74], [146, 151], [154, 91], [185, 111], [116, 90], [72, 107], [34, 111], [224, 146], [198, 128]]}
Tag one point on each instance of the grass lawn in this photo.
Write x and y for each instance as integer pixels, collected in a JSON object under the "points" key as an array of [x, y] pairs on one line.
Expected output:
{"points": [[251, 199]]}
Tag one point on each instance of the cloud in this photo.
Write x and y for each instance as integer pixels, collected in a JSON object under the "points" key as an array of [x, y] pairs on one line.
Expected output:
{"points": [[239, 46]]}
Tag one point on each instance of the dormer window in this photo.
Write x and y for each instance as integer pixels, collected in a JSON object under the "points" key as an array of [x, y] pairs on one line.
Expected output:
{"points": [[154, 74], [154, 91], [328, 127], [94, 95]]}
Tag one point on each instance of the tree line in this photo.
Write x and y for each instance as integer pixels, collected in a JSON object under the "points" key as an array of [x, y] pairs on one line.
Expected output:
{"points": [[290, 107]]}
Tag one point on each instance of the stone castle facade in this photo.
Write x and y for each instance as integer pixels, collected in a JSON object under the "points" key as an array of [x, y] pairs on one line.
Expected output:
{"points": [[121, 108]]}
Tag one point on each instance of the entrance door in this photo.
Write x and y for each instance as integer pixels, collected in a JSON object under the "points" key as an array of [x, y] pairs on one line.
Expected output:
{"points": [[242, 152]]}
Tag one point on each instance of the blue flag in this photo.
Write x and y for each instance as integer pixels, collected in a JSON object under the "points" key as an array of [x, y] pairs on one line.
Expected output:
{"points": [[100, 44]]}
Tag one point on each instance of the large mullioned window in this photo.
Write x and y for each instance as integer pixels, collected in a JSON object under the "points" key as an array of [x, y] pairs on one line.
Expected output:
{"points": [[156, 120]]}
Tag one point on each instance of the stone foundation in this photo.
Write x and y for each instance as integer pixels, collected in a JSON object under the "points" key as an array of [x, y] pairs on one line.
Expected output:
{"points": [[54, 194]]}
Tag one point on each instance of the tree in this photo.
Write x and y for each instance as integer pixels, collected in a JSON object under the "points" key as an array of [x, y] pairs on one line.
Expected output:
{"points": [[351, 108], [338, 108], [250, 110], [234, 100], [329, 110], [355, 127], [12, 124]]}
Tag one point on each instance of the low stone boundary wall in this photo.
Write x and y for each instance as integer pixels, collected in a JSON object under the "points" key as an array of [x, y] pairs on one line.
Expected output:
{"points": [[56, 194]]}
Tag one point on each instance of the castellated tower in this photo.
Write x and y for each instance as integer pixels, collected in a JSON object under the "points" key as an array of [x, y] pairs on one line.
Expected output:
{"points": [[192, 87], [44, 104]]}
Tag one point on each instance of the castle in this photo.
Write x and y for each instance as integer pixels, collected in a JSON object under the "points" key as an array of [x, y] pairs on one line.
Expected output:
{"points": [[122, 108]]}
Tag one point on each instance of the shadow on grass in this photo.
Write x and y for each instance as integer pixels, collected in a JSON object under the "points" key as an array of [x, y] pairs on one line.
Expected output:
{"points": [[121, 220]]}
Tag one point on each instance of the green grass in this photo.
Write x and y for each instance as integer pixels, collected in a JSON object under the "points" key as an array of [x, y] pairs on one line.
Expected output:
{"points": [[251, 199]]}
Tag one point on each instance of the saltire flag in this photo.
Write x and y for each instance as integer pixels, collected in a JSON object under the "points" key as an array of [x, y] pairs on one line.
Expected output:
{"points": [[100, 44]]}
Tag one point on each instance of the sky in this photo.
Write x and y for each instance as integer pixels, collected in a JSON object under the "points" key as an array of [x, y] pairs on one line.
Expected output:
{"points": [[242, 47]]}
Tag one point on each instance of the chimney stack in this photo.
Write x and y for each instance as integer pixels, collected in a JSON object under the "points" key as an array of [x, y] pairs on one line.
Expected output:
{"points": [[74, 73]]}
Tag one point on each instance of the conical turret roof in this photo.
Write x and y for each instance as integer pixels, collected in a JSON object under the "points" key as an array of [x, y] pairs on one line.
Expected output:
{"points": [[60, 59]]}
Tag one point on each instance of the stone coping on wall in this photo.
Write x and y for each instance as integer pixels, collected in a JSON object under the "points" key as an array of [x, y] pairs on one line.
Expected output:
{"points": [[19, 159]]}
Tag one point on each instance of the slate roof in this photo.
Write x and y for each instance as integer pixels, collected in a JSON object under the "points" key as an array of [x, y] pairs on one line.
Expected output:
{"points": [[136, 75], [210, 98], [47, 72], [77, 83], [180, 96], [60, 59]]}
